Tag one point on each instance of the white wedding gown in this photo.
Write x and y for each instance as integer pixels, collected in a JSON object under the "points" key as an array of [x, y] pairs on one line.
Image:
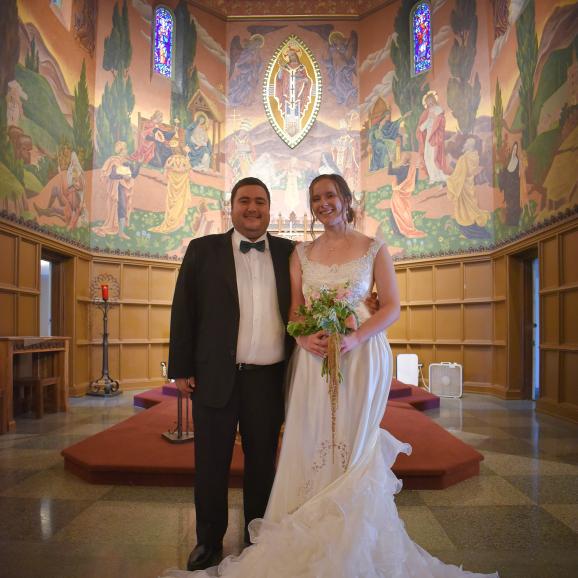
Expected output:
{"points": [[332, 513]]}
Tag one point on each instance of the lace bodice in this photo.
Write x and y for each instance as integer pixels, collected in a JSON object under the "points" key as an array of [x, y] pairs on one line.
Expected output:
{"points": [[355, 276]]}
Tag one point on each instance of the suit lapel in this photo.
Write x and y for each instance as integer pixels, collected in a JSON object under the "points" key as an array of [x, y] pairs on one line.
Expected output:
{"points": [[281, 268], [227, 261]]}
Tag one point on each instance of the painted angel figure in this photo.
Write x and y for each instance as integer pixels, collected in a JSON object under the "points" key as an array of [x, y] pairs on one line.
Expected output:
{"points": [[341, 62], [245, 65]]}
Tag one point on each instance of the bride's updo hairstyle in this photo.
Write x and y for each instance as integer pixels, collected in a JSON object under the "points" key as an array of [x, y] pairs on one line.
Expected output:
{"points": [[344, 193]]}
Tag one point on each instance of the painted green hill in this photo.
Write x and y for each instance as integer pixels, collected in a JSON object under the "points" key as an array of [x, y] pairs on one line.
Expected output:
{"points": [[41, 106]]}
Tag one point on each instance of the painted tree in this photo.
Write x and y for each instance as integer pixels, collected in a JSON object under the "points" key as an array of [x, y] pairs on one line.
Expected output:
{"points": [[463, 95], [113, 115], [185, 77], [32, 60], [10, 51], [498, 114], [81, 121], [408, 90], [527, 58]]}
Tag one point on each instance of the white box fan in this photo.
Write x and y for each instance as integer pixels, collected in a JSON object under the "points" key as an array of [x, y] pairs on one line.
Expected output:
{"points": [[445, 379]]}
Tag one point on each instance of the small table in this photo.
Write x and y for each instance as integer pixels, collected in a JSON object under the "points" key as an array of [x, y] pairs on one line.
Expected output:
{"points": [[55, 347]]}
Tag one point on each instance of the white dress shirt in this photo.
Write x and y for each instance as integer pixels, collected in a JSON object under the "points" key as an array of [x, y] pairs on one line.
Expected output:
{"points": [[261, 336]]}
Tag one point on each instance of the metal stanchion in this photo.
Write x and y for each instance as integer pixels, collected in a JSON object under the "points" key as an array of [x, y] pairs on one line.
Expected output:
{"points": [[178, 435]]}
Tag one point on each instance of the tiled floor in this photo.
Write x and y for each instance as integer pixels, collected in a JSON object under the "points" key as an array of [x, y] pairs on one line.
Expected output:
{"points": [[520, 516]]}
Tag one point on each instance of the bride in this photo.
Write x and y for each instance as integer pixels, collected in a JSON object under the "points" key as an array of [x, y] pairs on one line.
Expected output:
{"points": [[332, 513]]}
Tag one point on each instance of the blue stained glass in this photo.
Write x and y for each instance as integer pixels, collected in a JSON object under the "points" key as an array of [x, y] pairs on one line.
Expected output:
{"points": [[421, 34], [163, 42]]}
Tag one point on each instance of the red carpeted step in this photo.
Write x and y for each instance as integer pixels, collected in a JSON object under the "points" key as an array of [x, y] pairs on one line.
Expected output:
{"points": [[399, 389], [134, 451]]}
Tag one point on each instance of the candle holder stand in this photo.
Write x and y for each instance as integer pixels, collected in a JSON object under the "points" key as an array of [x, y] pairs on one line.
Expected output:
{"points": [[178, 435], [104, 386]]}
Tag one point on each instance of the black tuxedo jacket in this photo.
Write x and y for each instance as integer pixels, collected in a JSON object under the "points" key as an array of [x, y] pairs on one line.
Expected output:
{"points": [[205, 314]]}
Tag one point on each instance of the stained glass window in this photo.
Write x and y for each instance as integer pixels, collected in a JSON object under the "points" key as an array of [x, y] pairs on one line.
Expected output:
{"points": [[163, 41], [421, 37]]}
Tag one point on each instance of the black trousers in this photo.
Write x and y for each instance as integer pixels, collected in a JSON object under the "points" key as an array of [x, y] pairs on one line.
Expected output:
{"points": [[257, 405]]}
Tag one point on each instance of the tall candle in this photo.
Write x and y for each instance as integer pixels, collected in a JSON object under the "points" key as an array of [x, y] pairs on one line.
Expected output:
{"points": [[104, 292]]}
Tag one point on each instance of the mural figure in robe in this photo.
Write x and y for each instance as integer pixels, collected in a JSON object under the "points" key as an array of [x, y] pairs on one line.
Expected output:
{"points": [[471, 219], [509, 183], [153, 148], [118, 174], [341, 62], [431, 138], [292, 89], [344, 152], [66, 201], [384, 137], [244, 70], [14, 108], [178, 191], [401, 198], [241, 152], [199, 145]]}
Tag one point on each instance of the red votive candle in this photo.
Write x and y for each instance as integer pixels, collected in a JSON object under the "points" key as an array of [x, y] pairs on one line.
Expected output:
{"points": [[104, 292]]}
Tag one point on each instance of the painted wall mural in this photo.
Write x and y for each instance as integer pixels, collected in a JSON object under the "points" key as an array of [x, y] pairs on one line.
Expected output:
{"points": [[480, 149], [477, 151]]}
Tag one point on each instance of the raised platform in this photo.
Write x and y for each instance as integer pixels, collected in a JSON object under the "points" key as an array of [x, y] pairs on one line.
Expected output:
{"points": [[134, 451]]}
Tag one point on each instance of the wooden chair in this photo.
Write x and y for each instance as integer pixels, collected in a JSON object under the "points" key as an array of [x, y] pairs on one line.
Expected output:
{"points": [[32, 391]]}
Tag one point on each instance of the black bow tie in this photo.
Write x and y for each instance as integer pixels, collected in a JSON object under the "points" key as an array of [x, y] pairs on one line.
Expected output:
{"points": [[246, 246]]}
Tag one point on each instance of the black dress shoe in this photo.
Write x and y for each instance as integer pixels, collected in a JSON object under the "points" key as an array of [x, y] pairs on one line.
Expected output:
{"points": [[203, 557]]}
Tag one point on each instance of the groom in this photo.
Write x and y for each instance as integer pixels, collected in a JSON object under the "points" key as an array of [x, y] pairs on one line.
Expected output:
{"points": [[228, 348]]}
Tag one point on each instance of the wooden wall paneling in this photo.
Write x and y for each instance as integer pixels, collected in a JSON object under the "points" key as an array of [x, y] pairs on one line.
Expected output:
{"points": [[478, 280], [477, 370], [477, 322], [549, 375], [159, 322], [134, 364], [8, 250], [448, 323], [500, 367], [421, 323], [135, 320], [28, 314], [401, 277], [549, 316], [157, 352], [549, 263], [449, 284], [28, 265], [82, 321], [98, 267], [500, 277], [162, 283], [8, 315], [420, 284], [448, 353], [516, 312], [568, 373], [500, 323], [569, 318], [399, 329], [135, 282], [82, 375], [569, 261], [82, 278]]}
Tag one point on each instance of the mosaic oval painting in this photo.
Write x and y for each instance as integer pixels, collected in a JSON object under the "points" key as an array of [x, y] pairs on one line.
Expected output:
{"points": [[292, 90]]}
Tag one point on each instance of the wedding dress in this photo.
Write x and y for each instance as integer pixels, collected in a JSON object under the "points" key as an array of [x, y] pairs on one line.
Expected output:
{"points": [[332, 513]]}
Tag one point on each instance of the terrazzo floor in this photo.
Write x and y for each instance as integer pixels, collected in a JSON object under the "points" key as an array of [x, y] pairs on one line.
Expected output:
{"points": [[520, 516]]}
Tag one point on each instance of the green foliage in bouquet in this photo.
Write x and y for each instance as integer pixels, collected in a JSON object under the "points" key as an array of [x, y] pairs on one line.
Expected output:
{"points": [[327, 311]]}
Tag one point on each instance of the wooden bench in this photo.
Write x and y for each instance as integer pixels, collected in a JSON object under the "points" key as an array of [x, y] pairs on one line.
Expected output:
{"points": [[31, 391]]}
